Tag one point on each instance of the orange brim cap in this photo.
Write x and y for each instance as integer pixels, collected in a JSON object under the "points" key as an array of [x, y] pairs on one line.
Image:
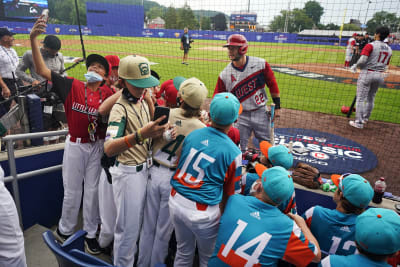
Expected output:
{"points": [[336, 179], [264, 146], [260, 169], [240, 109]]}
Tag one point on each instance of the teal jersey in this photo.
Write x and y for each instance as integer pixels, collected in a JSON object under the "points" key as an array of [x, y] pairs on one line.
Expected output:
{"points": [[335, 231], [210, 164], [254, 233], [247, 182], [351, 261]]}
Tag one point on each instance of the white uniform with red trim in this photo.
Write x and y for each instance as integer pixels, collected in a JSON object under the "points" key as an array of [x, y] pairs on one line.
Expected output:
{"points": [[349, 49], [371, 77], [248, 85], [12, 252]]}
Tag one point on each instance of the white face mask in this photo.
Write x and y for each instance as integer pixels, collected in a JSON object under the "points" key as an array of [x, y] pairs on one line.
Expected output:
{"points": [[92, 77]]}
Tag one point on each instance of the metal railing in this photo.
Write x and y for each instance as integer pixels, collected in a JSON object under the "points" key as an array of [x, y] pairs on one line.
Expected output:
{"points": [[14, 176]]}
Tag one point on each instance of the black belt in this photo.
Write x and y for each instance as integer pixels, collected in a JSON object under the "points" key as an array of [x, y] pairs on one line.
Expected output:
{"points": [[155, 163]]}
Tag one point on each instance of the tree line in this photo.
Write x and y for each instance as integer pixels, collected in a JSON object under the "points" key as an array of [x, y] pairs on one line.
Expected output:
{"points": [[296, 20]]}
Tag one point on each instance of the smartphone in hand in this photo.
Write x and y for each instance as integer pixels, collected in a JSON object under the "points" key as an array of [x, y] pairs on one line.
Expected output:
{"points": [[159, 112], [45, 14]]}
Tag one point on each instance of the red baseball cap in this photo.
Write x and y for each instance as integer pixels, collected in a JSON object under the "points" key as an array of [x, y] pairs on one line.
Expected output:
{"points": [[170, 92], [234, 134], [113, 60]]}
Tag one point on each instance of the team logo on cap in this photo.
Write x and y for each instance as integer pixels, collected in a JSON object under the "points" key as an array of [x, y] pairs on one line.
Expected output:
{"points": [[144, 68]]}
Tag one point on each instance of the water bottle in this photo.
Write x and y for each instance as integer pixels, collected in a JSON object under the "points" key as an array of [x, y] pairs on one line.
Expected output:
{"points": [[379, 190]]}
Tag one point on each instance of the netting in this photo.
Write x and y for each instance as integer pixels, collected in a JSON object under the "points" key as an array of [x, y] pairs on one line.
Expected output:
{"points": [[303, 41]]}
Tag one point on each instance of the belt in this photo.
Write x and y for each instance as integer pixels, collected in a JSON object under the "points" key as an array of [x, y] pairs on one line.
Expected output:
{"points": [[180, 198], [82, 140], [376, 70], [137, 168], [155, 163]]}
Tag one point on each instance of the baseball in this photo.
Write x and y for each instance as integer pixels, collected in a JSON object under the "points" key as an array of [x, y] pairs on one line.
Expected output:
{"points": [[167, 135]]}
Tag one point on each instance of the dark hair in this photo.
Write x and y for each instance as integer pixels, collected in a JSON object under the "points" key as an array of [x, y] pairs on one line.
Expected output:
{"points": [[372, 256], [383, 32], [52, 42], [155, 74], [189, 111], [348, 207]]}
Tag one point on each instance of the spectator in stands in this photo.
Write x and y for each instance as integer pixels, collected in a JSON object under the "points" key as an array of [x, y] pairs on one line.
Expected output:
{"points": [[54, 60], [334, 229], [377, 239], [255, 221], [8, 65], [84, 143]]}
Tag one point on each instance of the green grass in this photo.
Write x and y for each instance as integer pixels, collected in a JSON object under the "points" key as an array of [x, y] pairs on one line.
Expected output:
{"points": [[207, 60]]}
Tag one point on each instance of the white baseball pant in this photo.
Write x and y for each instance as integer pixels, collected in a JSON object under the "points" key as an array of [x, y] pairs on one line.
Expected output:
{"points": [[257, 121], [349, 54], [12, 252], [81, 164], [157, 227], [129, 187], [193, 226], [108, 212], [367, 85]]}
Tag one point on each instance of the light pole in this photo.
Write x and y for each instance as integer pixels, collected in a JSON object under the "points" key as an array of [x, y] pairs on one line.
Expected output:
{"points": [[366, 14], [285, 28]]}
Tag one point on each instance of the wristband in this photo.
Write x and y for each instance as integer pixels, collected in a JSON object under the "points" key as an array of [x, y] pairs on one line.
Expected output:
{"points": [[277, 102], [127, 141]]}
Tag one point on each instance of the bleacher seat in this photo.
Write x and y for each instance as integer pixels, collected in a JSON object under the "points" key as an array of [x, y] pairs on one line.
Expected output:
{"points": [[71, 253]]}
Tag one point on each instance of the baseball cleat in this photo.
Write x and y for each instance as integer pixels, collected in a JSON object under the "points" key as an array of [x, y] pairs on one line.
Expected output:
{"points": [[356, 124], [92, 246], [59, 236]]}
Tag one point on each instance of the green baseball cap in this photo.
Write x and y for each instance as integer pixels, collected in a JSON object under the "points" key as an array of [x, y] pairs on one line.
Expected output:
{"points": [[136, 71], [224, 108], [355, 188]]}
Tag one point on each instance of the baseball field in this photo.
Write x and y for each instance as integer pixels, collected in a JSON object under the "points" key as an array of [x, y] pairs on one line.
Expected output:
{"points": [[313, 85]]}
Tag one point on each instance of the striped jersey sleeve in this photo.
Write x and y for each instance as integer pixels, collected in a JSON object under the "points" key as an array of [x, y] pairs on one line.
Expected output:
{"points": [[307, 216]]}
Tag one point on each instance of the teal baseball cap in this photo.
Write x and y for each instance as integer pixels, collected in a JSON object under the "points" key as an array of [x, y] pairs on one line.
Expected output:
{"points": [[136, 71], [378, 231], [355, 188], [277, 155], [278, 184], [177, 81], [224, 108]]}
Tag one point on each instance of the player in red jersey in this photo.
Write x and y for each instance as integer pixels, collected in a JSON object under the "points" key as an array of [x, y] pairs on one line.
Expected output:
{"points": [[85, 140]]}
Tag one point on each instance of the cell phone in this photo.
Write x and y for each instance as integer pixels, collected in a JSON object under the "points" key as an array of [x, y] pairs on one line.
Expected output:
{"points": [[45, 14], [159, 112]]}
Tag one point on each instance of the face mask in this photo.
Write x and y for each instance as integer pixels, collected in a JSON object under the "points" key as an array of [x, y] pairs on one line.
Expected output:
{"points": [[92, 77]]}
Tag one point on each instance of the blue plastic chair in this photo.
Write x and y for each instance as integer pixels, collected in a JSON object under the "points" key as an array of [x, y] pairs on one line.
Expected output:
{"points": [[73, 257]]}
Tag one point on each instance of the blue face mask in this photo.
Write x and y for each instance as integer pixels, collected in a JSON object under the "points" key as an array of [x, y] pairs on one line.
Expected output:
{"points": [[93, 77]]}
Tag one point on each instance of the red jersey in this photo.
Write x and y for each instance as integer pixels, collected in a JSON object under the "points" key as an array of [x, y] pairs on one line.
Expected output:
{"points": [[80, 107]]}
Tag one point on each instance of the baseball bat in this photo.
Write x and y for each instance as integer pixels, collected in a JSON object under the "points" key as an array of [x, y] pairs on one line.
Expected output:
{"points": [[351, 107], [272, 130]]}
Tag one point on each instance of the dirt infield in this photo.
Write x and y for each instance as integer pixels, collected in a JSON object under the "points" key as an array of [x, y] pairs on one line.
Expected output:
{"points": [[380, 137]]}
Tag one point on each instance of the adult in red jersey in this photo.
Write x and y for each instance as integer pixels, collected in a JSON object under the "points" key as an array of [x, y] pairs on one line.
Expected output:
{"points": [[84, 143], [246, 77], [374, 61]]}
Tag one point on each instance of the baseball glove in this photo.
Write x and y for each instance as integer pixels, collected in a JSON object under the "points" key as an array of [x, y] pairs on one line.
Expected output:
{"points": [[306, 175]]}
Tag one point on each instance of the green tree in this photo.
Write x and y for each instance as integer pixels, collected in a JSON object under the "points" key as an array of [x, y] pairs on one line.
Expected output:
{"points": [[383, 18], [64, 11], [314, 10], [297, 21], [154, 12], [351, 27], [171, 18], [186, 18], [219, 21], [205, 23], [332, 26]]}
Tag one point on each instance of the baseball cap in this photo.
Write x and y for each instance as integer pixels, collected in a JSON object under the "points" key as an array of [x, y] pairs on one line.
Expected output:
{"points": [[193, 92], [170, 92], [99, 59], [5, 32], [378, 231], [136, 71], [52, 42], [355, 188], [113, 60], [178, 80], [234, 135], [277, 155], [277, 183], [224, 108]]}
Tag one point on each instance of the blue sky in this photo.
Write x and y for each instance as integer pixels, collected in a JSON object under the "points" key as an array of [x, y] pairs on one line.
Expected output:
{"points": [[267, 9]]}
